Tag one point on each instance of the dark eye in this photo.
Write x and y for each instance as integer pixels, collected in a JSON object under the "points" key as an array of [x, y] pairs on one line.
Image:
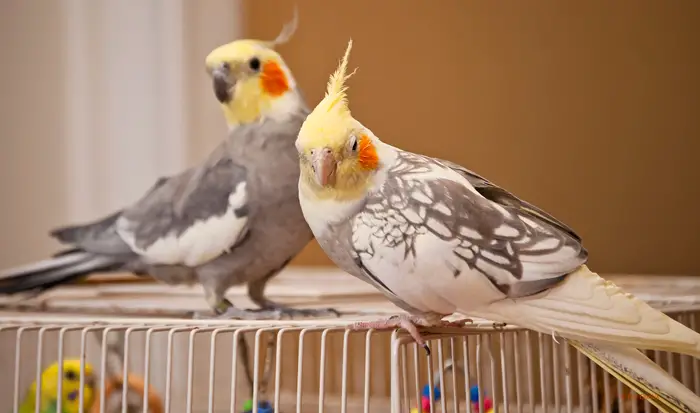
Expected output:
{"points": [[354, 145], [254, 64], [71, 376]]}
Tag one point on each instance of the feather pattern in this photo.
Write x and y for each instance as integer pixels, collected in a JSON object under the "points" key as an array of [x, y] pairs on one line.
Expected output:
{"points": [[431, 206]]}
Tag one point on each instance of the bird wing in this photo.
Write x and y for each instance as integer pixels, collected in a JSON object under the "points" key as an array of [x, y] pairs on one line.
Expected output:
{"points": [[433, 217], [193, 217]]}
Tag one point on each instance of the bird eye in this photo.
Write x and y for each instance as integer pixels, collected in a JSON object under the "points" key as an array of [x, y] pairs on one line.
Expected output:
{"points": [[71, 376], [254, 64], [354, 144]]}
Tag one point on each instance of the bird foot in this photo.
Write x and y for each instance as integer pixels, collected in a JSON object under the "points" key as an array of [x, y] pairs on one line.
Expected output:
{"points": [[409, 323], [269, 313], [279, 312]]}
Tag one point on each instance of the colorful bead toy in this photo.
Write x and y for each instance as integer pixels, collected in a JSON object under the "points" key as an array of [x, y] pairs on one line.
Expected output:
{"points": [[473, 396], [263, 407]]}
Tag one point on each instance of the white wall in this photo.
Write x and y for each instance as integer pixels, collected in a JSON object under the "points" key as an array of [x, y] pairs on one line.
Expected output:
{"points": [[99, 98]]}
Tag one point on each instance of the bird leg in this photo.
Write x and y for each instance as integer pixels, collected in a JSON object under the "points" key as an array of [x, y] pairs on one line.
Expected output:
{"points": [[276, 310], [269, 310], [225, 310], [410, 323]]}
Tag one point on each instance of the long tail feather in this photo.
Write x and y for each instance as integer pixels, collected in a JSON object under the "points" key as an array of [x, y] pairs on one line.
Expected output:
{"points": [[644, 376], [49, 273], [586, 307]]}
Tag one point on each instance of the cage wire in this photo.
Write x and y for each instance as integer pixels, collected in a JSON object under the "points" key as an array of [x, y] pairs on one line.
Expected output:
{"points": [[175, 365]]}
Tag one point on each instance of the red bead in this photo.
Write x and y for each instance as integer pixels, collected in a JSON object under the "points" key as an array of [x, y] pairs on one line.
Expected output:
{"points": [[425, 404]]}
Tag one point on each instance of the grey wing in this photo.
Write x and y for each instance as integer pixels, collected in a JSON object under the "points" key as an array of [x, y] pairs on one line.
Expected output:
{"points": [[521, 249], [192, 217]]}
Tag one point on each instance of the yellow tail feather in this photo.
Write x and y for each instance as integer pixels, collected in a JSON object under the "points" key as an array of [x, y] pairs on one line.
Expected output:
{"points": [[642, 375]]}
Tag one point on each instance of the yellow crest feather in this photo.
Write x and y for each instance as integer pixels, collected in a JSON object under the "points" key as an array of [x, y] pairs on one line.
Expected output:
{"points": [[330, 121], [335, 92]]}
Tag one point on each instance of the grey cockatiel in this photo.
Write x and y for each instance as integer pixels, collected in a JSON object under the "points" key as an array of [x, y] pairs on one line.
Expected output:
{"points": [[438, 239], [233, 219]]}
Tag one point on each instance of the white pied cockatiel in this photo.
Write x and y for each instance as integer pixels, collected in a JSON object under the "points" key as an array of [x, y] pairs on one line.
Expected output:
{"points": [[438, 239]]}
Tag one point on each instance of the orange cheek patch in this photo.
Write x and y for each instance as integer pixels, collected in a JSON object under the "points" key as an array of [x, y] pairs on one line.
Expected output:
{"points": [[367, 153], [273, 79]]}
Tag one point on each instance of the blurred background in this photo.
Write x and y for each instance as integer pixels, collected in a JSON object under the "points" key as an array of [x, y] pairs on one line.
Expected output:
{"points": [[587, 109]]}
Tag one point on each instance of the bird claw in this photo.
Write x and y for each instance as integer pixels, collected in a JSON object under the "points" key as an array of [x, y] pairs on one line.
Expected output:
{"points": [[457, 323], [410, 324], [499, 326], [405, 321]]}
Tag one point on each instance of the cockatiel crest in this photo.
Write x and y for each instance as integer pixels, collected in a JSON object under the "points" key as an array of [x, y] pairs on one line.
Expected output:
{"points": [[331, 120], [337, 152]]}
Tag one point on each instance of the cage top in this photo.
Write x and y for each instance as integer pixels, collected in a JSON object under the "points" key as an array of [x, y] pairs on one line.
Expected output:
{"points": [[135, 303]]}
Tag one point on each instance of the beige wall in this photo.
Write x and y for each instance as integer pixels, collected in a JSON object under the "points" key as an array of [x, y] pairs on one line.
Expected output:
{"points": [[588, 109]]}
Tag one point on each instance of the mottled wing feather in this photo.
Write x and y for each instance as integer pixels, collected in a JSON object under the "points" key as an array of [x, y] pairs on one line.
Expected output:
{"points": [[499, 195], [192, 217], [519, 248]]}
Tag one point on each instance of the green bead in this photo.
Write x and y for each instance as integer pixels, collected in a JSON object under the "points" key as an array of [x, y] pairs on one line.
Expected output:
{"points": [[248, 406]]}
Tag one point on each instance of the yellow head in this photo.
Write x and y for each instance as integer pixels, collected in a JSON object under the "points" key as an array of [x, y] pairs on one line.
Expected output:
{"points": [[70, 387], [251, 80], [337, 153]]}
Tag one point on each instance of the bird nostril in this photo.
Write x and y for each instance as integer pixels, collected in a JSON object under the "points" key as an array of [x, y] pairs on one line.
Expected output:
{"points": [[327, 151], [225, 66]]}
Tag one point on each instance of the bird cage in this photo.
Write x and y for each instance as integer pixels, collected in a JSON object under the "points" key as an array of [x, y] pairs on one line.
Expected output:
{"points": [[177, 364]]}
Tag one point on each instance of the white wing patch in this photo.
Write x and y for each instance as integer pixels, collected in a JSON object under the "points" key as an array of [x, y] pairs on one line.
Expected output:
{"points": [[200, 243]]}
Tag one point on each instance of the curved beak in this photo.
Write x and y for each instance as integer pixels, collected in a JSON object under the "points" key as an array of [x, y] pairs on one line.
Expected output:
{"points": [[324, 164], [222, 82]]}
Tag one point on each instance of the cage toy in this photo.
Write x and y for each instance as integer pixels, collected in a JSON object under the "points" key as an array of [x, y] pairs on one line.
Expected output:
{"points": [[115, 384], [473, 392], [264, 406]]}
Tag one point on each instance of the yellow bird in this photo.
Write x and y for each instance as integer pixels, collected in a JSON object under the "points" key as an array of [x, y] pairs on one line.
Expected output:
{"points": [[70, 389]]}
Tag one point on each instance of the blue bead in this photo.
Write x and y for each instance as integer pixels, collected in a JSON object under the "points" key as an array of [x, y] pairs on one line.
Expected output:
{"points": [[264, 407], [436, 392], [474, 394]]}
